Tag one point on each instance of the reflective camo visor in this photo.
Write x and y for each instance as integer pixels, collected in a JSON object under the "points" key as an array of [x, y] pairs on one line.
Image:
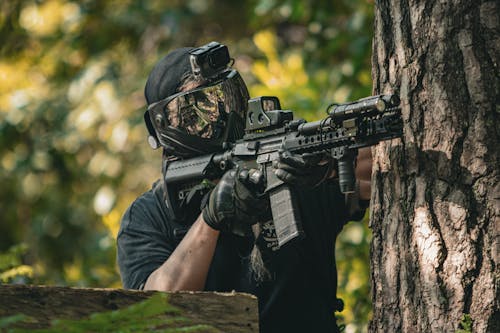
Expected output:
{"points": [[201, 112]]}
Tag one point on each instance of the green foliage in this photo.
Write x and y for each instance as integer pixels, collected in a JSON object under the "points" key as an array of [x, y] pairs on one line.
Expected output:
{"points": [[73, 151], [154, 314], [352, 255], [10, 321], [11, 267], [465, 325]]}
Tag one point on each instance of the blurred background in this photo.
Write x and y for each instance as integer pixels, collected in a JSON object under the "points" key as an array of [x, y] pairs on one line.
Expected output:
{"points": [[73, 149]]}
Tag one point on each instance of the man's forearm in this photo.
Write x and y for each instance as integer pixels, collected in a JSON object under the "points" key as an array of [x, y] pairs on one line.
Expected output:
{"points": [[187, 267], [364, 172]]}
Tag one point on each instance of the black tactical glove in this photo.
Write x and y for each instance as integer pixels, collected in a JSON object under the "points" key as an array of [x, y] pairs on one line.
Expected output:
{"points": [[307, 170], [237, 202]]}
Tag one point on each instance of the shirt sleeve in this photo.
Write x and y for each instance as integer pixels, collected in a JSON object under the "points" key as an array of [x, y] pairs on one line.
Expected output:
{"points": [[143, 242]]}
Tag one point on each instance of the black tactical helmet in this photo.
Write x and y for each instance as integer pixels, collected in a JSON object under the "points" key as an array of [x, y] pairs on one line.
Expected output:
{"points": [[197, 121]]}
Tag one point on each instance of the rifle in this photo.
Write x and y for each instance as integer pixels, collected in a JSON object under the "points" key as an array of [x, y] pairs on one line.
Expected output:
{"points": [[348, 127]]}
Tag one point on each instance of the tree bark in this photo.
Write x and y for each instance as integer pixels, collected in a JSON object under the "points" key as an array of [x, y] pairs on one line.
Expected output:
{"points": [[223, 312], [436, 192]]}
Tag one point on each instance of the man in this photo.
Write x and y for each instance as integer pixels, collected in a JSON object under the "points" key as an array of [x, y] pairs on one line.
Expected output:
{"points": [[223, 239]]}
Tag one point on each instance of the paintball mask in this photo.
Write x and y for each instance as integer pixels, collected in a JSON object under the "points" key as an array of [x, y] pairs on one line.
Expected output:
{"points": [[200, 120]]}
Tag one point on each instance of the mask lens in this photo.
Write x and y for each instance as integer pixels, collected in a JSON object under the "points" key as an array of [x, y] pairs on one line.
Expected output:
{"points": [[203, 111], [199, 109]]}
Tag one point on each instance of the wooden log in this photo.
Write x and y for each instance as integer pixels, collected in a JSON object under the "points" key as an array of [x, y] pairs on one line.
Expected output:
{"points": [[223, 312]]}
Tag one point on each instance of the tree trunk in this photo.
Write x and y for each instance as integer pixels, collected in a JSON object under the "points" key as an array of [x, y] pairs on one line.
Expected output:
{"points": [[435, 198]]}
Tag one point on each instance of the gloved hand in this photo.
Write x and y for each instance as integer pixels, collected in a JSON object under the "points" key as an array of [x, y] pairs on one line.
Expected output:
{"points": [[307, 170], [237, 202]]}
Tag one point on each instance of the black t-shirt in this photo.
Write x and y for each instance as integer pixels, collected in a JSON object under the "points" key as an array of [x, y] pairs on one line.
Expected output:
{"points": [[300, 296]]}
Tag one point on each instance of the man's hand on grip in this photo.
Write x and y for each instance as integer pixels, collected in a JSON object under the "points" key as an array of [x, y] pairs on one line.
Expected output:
{"points": [[237, 202], [308, 170]]}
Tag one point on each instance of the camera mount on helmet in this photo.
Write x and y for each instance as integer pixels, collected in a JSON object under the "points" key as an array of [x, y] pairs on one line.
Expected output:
{"points": [[210, 60]]}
